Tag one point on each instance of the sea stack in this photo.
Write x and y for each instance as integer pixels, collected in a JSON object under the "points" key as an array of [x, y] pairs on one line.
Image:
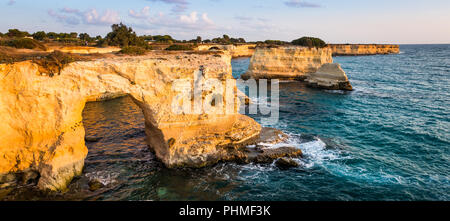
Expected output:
{"points": [[329, 76]]}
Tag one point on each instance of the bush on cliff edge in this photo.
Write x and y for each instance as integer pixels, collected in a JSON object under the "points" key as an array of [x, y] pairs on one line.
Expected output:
{"points": [[310, 42], [178, 47]]}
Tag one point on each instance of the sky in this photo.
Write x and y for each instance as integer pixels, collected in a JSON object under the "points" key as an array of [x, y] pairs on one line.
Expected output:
{"points": [[343, 21]]}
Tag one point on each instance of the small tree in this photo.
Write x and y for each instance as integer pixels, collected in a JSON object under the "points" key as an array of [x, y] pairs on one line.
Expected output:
{"points": [[40, 35], [73, 35], [310, 42], [199, 39], [85, 37], [16, 33], [123, 36]]}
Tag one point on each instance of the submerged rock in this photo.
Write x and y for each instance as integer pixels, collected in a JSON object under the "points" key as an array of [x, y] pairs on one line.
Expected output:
{"points": [[268, 155], [92, 139], [286, 163], [95, 185], [329, 76]]}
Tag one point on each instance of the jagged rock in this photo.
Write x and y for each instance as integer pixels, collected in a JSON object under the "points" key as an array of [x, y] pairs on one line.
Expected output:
{"points": [[271, 154], [95, 185], [329, 76], [286, 63], [271, 136], [286, 163]]}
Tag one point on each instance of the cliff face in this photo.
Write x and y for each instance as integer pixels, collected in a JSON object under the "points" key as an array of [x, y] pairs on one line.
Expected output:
{"points": [[42, 131], [363, 49], [290, 63], [329, 76], [244, 50]]}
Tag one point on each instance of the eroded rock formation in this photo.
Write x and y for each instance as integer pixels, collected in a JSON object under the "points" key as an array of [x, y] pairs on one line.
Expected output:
{"points": [[329, 76], [42, 131], [286, 63], [363, 49]]}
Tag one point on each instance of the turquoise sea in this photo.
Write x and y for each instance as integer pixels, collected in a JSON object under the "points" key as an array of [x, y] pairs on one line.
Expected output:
{"points": [[389, 139]]}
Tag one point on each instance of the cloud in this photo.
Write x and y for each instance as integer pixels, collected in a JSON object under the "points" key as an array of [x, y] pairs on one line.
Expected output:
{"points": [[181, 24], [190, 19], [179, 5], [11, 2], [143, 14], [91, 17], [301, 4]]}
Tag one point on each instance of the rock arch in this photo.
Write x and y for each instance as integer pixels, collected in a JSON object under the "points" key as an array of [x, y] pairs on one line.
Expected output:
{"points": [[41, 116]]}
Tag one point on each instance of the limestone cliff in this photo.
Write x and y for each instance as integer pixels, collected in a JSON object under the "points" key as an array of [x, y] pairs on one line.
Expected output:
{"points": [[329, 76], [83, 49], [289, 63], [363, 49], [42, 130], [239, 50]]}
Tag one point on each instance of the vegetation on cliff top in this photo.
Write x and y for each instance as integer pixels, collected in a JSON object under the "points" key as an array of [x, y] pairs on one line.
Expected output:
{"points": [[20, 43], [132, 50], [310, 42], [178, 47]]}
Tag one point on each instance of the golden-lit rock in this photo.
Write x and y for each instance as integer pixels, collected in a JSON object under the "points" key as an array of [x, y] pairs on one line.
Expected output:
{"points": [[363, 49], [329, 76], [236, 51], [42, 128]]}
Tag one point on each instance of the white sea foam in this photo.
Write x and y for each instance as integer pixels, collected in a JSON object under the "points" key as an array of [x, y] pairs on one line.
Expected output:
{"points": [[104, 177]]}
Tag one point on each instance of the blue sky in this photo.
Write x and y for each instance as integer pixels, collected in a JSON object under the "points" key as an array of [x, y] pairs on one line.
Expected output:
{"points": [[344, 21]]}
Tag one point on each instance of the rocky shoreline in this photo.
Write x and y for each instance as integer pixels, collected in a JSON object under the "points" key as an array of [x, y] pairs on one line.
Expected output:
{"points": [[43, 137]]}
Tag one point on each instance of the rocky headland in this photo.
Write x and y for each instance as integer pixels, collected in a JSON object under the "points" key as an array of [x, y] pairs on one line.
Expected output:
{"points": [[363, 49]]}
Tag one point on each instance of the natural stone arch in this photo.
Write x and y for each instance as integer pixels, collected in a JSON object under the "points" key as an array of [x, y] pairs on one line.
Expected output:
{"points": [[42, 127]]}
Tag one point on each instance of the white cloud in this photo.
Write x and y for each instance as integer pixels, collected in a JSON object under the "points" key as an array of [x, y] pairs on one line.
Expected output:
{"points": [[190, 19], [206, 19], [143, 14], [108, 17], [91, 17]]}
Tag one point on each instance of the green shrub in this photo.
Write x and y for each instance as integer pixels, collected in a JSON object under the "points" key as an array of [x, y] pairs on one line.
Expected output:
{"points": [[24, 43], [276, 42], [17, 33], [40, 35], [310, 42], [132, 50], [122, 36], [179, 47]]}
